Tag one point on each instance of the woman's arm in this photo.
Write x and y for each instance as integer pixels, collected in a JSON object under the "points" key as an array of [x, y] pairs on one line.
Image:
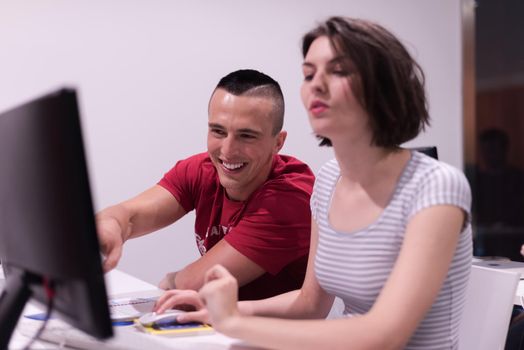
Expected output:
{"points": [[428, 248], [311, 301]]}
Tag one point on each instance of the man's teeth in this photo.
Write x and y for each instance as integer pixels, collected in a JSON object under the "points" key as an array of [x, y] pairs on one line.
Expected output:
{"points": [[232, 166]]}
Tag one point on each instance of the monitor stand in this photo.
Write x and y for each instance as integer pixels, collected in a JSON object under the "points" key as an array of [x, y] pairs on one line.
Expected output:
{"points": [[14, 296]]}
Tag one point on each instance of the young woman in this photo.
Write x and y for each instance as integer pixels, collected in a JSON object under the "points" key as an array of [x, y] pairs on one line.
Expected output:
{"points": [[391, 230]]}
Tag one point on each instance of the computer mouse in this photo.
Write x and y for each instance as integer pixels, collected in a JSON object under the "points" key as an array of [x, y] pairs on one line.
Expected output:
{"points": [[167, 317]]}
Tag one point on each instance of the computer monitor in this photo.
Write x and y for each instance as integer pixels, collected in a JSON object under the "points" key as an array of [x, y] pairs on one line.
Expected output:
{"points": [[47, 227]]}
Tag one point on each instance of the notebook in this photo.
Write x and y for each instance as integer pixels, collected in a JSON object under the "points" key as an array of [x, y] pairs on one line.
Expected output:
{"points": [[128, 309]]}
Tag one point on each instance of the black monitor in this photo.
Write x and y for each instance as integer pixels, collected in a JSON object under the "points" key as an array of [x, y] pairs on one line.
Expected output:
{"points": [[47, 228]]}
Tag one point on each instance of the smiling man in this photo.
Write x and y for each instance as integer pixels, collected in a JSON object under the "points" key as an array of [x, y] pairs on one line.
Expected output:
{"points": [[251, 204]]}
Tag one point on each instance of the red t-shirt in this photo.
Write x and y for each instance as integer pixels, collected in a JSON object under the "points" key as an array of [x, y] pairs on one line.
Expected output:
{"points": [[271, 228]]}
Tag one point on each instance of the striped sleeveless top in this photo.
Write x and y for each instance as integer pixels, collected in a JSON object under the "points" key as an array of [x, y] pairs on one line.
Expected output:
{"points": [[355, 266]]}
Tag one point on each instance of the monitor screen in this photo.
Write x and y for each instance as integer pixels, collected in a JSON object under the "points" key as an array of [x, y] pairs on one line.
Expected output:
{"points": [[47, 227]]}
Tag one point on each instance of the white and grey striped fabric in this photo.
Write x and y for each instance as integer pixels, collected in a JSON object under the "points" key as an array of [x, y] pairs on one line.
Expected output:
{"points": [[355, 266]]}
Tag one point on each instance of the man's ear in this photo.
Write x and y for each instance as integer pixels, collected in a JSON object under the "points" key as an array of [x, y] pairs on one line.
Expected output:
{"points": [[280, 140]]}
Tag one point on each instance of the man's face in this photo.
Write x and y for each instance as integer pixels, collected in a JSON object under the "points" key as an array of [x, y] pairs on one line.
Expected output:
{"points": [[240, 141]]}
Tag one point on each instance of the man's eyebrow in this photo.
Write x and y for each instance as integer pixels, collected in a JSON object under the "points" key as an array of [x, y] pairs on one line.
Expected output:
{"points": [[239, 131], [215, 126], [248, 131]]}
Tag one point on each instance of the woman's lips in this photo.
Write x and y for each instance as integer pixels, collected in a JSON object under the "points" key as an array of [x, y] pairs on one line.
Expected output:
{"points": [[318, 107]]}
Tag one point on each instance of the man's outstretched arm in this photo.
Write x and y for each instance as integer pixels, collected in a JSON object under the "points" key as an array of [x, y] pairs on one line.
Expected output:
{"points": [[149, 211]]}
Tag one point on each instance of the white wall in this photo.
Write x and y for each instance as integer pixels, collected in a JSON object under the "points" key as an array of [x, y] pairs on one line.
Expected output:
{"points": [[145, 70]]}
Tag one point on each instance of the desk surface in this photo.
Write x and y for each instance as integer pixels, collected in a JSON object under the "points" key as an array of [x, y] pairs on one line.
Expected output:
{"points": [[119, 283]]}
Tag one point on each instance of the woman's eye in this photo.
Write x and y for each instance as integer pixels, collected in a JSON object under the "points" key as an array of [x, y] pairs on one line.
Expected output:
{"points": [[341, 72]]}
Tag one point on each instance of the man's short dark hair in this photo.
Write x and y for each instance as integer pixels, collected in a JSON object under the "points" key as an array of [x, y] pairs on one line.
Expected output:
{"points": [[389, 84], [250, 82]]}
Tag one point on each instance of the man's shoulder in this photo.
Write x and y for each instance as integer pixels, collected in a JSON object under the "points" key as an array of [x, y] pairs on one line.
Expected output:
{"points": [[285, 166], [193, 169], [289, 175], [199, 162], [198, 158]]}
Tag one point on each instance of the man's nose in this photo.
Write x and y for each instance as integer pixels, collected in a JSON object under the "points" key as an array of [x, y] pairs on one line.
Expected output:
{"points": [[229, 147]]}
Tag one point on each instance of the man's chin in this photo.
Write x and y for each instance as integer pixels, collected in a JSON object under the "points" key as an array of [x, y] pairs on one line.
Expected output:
{"points": [[229, 183]]}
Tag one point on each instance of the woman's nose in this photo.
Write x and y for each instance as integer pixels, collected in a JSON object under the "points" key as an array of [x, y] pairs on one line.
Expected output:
{"points": [[318, 83]]}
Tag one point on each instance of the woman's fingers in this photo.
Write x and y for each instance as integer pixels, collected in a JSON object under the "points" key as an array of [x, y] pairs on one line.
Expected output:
{"points": [[201, 316], [175, 297]]}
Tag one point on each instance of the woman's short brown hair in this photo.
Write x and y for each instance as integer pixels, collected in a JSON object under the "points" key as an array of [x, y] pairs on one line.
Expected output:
{"points": [[390, 83]]}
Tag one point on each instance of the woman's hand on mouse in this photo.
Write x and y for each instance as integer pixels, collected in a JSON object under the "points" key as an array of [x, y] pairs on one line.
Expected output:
{"points": [[220, 295], [187, 300]]}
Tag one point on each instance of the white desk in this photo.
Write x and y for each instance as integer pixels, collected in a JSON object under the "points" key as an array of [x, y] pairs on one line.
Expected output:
{"points": [[119, 283]]}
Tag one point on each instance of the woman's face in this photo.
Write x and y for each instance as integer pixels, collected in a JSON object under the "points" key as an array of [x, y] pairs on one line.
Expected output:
{"points": [[327, 94]]}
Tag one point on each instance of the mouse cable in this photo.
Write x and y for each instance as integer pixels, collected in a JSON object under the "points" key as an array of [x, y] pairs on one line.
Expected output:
{"points": [[50, 292]]}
